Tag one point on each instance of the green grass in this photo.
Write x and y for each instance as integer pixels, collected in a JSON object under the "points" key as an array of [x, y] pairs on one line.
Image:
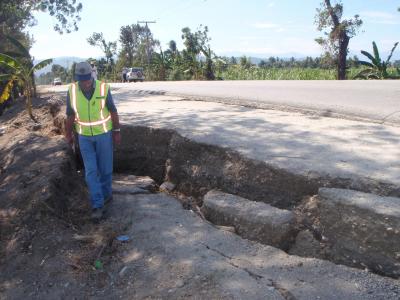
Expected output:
{"points": [[255, 73]]}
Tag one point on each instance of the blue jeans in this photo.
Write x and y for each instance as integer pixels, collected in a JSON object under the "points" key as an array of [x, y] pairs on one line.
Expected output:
{"points": [[97, 154]]}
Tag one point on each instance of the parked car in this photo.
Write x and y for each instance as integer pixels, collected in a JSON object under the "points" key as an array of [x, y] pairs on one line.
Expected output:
{"points": [[57, 81], [135, 74]]}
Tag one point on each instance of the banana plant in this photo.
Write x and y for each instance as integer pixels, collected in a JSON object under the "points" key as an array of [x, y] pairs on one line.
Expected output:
{"points": [[19, 70], [376, 67]]}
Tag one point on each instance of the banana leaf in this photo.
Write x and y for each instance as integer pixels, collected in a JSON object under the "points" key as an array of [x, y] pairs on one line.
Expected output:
{"points": [[391, 52], [21, 48], [6, 77], [363, 74], [9, 61], [5, 94], [41, 65], [376, 52], [367, 54], [366, 63]]}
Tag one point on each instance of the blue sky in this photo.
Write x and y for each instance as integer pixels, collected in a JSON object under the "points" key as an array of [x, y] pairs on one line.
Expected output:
{"points": [[259, 28]]}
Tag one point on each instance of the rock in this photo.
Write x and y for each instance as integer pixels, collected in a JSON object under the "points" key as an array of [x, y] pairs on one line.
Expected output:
{"points": [[252, 220], [131, 184], [122, 272], [122, 189], [36, 127], [362, 229], [226, 228], [167, 186], [306, 245]]}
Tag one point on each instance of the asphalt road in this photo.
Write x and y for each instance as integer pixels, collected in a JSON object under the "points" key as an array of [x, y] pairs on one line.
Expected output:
{"points": [[376, 100]]}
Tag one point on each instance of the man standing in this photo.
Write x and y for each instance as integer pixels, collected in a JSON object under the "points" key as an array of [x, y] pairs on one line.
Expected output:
{"points": [[94, 70], [124, 72], [93, 115]]}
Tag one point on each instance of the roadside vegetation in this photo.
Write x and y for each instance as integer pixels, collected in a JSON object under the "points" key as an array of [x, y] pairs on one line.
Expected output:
{"points": [[376, 67], [136, 46], [16, 64]]}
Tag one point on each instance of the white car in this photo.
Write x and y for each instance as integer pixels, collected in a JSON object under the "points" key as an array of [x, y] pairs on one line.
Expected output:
{"points": [[57, 81], [135, 74]]}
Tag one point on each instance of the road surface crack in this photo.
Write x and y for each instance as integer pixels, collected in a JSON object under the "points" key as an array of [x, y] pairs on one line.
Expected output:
{"points": [[250, 273]]}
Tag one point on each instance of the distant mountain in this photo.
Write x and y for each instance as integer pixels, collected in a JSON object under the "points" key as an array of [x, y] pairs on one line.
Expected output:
{"points": [[64, 61], [258, 57]]}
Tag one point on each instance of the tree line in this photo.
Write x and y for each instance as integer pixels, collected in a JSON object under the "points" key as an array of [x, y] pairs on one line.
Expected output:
{"points": [[137, 46], [197, 61]]}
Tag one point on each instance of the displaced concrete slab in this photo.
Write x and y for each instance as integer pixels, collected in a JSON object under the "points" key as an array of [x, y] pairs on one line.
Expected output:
{"points": [[167, 186], [314, 146], [131, 184], [174, 254], [256, 221], [362, 229]]}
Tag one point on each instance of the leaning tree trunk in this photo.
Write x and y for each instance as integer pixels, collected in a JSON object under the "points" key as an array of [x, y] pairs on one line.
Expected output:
{"points": [[28, 101], [34, 85], [342, 57]]}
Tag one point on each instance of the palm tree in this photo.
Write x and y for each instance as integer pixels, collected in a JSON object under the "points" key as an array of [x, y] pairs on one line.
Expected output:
{"points": [[20, 71], [377, 68]]}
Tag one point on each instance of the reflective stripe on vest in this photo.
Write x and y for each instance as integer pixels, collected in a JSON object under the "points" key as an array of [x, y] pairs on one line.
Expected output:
{"points": [[75, 106], [96, 123], [103, 104], [103, 120]]}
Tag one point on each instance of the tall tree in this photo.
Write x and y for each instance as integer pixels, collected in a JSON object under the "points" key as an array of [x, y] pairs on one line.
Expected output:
{"points": [[336, 41], [130, 38], [196, 43], [172, 46], [17, 14], [137, 43], [109, 48]]}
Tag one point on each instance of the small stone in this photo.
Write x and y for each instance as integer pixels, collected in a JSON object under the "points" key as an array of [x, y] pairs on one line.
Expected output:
{"points": [[36, 127], [226, 228], [122, 272], [180, 283], [167, 186]]}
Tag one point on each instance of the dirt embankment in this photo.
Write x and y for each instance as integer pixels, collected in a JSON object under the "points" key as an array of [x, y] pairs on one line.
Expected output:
{"points": [[43, 207]]}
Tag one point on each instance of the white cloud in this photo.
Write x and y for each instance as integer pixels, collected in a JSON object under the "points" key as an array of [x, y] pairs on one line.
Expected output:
{"points": [[271, 4], [380, 17]]}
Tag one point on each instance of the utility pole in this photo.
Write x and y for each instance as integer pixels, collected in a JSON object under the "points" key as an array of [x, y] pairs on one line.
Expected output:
{"points": [[147, 39]]}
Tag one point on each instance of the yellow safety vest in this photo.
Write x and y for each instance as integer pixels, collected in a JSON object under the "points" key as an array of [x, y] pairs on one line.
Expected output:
{"points": [[91, 117]]}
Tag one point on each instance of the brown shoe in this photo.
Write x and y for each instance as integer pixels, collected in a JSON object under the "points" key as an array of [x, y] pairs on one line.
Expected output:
{"points": [[97, 214]]}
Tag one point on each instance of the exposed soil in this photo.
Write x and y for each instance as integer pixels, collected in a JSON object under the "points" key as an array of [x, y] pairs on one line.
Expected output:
{"points": [[48, 246]]}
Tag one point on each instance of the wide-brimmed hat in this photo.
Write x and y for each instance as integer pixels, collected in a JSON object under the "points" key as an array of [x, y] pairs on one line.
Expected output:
{"points": [[83, 71]]}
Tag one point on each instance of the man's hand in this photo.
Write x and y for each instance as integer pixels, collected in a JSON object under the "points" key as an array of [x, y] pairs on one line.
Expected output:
{"points": [[117, 137], [69, 137], [69, 123]]}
